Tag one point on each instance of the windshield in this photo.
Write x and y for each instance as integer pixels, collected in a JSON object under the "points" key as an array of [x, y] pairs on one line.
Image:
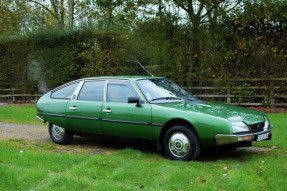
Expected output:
{"points": [[163, 90]]}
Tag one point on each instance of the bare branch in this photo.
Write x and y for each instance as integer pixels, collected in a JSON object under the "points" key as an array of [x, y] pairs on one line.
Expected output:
{"points": [[200, 9], [237, 3], [181, 5], [208, 11], [42, 5], [212, 8]]}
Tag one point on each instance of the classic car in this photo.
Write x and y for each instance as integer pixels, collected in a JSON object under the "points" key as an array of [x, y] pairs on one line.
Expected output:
{"points": [[148, 108]]}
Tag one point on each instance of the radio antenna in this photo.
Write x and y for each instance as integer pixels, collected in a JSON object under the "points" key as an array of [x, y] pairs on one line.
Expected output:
{"points": [[141, 66]]}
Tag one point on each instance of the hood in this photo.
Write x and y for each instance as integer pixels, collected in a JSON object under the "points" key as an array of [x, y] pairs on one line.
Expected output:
{"points": [[229, 112]]}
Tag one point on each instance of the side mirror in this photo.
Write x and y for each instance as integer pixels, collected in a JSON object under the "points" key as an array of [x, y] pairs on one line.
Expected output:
{"points": [[135, 100]]}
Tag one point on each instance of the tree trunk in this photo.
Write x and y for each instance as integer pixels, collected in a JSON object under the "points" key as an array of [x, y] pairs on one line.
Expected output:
{"points": [[71, 6]]}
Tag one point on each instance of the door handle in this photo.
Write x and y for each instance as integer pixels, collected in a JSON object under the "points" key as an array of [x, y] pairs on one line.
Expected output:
{"points": [[73, 108], [108, 110]]}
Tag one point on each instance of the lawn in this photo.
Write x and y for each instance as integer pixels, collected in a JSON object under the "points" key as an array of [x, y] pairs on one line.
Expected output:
{"points": [[25, 113], [33, 166]]}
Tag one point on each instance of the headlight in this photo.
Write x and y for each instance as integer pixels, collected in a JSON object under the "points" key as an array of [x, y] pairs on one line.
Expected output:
{"points": [[239, 127], [266, 125]]}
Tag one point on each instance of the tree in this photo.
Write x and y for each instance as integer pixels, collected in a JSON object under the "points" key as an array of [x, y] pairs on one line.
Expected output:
{"points": [[200, 13], [12, 16], [64, 12], [255, 39]]}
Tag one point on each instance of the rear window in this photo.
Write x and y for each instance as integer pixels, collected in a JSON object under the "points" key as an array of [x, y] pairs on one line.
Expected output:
{"points": [[66, 92]]}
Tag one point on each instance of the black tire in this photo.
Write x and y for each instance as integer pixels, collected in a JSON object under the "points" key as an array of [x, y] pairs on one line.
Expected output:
{"points": [[60, 135], [181, 143]]}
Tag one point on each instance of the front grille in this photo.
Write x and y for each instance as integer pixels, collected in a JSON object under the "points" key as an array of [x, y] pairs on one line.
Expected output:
{"points": [[257, 127]]}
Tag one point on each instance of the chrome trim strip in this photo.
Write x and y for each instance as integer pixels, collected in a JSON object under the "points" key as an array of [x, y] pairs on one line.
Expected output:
{"points": [[40, 119], [156, 124], [51, 114], [77, 90], [130, 122], [105, 90], [140, 94], [107, 120], [80, 117]]}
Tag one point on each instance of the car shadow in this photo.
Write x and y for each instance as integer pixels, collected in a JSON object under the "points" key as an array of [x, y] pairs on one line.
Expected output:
{"points": [[220, 154], [92, 145], [240, 154], [108, 145]]}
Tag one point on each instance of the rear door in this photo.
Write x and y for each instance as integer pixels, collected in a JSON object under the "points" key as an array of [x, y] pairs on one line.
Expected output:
{"points": [[56, 108], [124, 119], [84, 112]]}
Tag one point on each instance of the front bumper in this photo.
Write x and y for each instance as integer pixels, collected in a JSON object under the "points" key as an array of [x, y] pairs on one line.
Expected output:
{"points": [[224, 139]]}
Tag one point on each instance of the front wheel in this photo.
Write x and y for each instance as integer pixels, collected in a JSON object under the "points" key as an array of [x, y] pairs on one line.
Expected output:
{"points": [[181, 143], [59, 134]]}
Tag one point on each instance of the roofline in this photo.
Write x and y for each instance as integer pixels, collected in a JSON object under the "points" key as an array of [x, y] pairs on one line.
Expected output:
{"points": [[122, 77], [134, 78]]}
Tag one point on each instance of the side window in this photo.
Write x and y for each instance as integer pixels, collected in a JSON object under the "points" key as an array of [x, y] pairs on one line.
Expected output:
{"points": [[92, 91], [120, 91], [65, 92]]}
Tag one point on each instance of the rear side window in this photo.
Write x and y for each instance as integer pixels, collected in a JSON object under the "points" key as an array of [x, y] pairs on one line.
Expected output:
{"points": [[92, 91], [65, 92]]}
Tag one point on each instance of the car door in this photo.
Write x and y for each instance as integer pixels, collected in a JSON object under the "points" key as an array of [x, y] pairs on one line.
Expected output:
{"points": [[84, 112], [124, 119], [56, 108]]}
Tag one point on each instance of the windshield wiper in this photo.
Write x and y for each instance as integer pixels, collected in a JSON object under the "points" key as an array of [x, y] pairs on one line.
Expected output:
{"points": [[166, 98]]}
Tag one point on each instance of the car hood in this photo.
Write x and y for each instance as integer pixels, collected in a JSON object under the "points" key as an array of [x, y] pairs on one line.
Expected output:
{"points": [[229, 112]]}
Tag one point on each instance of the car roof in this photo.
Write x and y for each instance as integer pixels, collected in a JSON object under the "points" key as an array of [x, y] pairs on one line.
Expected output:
{"points": [[134, 78], [131, 78]]}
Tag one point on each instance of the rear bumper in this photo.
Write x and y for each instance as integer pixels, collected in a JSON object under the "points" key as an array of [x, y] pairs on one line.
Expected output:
{"points": [[40, 119], [224, 139]]}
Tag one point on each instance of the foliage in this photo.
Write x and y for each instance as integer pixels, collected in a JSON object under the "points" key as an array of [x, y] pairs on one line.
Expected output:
{"points": [[186, 41], [255, 38], [14, 61], [102, 53], [52, 51]]}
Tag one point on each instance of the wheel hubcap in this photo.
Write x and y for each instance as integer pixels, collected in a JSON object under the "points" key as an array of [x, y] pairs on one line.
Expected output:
{"points": [[179, 144], [58, 132]]}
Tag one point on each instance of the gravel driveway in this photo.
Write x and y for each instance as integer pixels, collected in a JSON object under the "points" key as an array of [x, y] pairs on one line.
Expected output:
{"points": [[19, 131], [38, 134]]}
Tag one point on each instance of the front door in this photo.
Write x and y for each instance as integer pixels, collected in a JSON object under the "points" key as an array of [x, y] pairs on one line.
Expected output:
{"points": [[124, 119], [84, 113]]}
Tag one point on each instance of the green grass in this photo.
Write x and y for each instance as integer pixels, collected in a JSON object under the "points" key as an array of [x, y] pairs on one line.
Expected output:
{"points": [[18, 114], [30, 166]]}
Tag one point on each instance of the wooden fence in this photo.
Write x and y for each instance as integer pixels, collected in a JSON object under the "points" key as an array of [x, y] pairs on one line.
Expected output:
{"points": [[9, 94], [247, 92]]}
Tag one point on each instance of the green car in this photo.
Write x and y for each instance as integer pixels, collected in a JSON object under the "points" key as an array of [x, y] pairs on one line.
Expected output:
{"points": [[148, 108]]}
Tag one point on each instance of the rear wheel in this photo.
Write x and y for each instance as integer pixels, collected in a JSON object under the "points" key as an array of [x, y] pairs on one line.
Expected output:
{"points": [[59, 134], [181, 143]]}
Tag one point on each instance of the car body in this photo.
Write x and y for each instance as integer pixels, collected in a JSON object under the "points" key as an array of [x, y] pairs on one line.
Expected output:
{"points": [[148, 108]]}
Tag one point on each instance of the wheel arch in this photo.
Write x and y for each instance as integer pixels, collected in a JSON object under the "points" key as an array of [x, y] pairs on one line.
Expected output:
{"points": [[168, 125], [64, 139]]}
